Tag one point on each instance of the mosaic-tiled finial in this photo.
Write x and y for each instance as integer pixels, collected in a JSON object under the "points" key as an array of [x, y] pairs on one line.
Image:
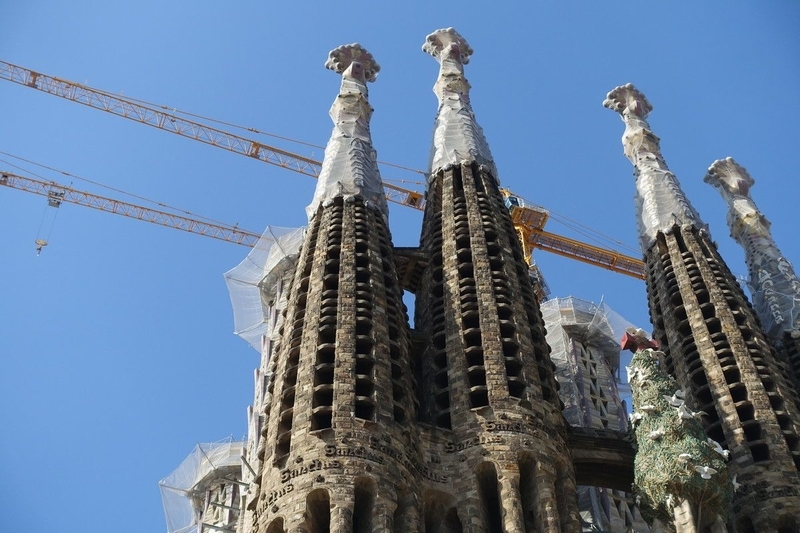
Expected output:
{"points": [[447, 43], [353, 61], [627, 99]]}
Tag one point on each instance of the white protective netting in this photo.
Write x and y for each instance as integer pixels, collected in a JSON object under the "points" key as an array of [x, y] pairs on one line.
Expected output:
{"points": [[597, 324], [592, 325], [183, 491], [251, 284]]}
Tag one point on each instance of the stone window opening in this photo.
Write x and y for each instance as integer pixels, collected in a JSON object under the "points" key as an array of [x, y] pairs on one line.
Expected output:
{"points": [[363, 506], [489, 491], [276, 526], [318, 512]]}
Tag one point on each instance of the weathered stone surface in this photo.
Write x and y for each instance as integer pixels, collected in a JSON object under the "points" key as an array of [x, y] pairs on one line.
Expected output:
{"points": [[713, 344]]}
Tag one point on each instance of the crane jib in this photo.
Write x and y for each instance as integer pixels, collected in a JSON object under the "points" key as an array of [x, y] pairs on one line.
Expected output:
{"points": [[530, 228]]}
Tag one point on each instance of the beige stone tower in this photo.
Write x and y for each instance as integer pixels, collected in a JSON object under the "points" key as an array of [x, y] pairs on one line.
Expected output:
{"points": [[338, 448], [712, 341], [773, 282], [486, 380]]}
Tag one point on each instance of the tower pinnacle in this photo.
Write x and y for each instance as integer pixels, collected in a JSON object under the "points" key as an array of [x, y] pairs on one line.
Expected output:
{"points": [[660, 202], [350, 166], [457, 137], [776, 289], [713, 343]]}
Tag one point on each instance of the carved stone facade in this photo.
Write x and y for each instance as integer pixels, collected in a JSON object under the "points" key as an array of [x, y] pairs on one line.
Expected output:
{"points": [[712, 340], [365, 424]]}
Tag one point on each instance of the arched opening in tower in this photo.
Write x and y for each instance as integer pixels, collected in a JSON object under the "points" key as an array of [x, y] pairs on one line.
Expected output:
{"points": [[276, 526], [318, 511], [439, 512], [490, 497], [363, 506]]}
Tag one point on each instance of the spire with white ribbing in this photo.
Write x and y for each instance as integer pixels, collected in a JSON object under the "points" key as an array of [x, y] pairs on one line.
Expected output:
{"points": [[350, 166], [660, 202], [457, 137]]}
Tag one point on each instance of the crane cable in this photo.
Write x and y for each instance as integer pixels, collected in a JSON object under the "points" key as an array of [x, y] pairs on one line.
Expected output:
{"points": [[580, 228], [177, 111], [41, 242], [591, 234]]}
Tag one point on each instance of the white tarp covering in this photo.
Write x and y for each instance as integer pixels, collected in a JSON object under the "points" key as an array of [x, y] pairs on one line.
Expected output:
{"points": [[660, 201], [183, 491], [773, 281], [251, 284], [350, 166], [570, 320], [457, 136]]}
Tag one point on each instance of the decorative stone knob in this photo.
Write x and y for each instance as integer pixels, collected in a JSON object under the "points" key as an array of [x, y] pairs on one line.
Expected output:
{"points": [[628, 100], [353, 60], [447, 43]]}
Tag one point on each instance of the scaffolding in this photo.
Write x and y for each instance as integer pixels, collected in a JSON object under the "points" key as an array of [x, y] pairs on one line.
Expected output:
{"points": [[254, 284], [584, 342], [202, 494]]}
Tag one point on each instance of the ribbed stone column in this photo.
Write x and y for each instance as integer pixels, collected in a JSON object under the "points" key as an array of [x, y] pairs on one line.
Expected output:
{"points": [[774, 285], [339, 431], [512, 505], [486, 377], [712, 341]]}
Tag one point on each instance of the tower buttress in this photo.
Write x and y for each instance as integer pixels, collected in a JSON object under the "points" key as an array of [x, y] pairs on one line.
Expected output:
{"points": [[712, 341], [339, 449], [773, 282], [487, 377]]}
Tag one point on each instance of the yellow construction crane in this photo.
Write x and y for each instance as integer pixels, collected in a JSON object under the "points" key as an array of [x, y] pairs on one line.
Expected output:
{"points": [[529, 220], [57, 194]]}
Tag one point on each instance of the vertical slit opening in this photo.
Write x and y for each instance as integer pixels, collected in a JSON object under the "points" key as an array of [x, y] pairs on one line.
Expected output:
{"points": [[490, 497], [364, 503]]}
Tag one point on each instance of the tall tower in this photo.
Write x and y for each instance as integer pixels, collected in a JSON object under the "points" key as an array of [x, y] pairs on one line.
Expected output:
{"points": [[773, 282], [486, 378], [337, 436], [584, 339], [258, 288], [712, 341]]}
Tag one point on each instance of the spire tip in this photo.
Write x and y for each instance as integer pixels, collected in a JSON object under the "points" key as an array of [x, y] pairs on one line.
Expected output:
{"points": [[729, 175], [353, 60], [628, 99], [448, 43]]}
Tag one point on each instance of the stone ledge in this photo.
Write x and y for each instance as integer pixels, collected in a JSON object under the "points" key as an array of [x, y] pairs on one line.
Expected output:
{"points": [[602, 457]]}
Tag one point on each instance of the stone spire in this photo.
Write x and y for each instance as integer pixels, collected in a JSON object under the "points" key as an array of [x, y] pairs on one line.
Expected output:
{"points": [[660, 202], [714, 346], [775, 286], [457, 137], [337, 449], [350, 167]]}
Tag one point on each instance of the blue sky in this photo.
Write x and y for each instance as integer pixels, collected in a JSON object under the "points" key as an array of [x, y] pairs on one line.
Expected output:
{"points": [[116, 343]]}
